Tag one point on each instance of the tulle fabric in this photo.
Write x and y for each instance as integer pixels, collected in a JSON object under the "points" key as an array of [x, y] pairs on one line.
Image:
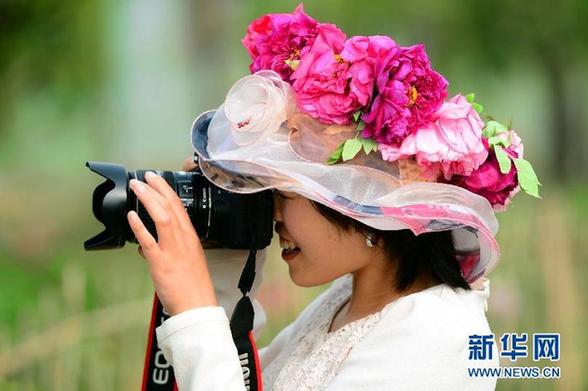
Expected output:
{"points": [[290, 154]]}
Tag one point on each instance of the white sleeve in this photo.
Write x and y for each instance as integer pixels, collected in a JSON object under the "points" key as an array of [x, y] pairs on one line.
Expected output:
{"points": [[199, 346], [198, 343]]}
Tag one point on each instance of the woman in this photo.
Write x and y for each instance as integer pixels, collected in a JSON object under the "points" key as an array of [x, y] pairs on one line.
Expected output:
{"points": [[382, 187]]}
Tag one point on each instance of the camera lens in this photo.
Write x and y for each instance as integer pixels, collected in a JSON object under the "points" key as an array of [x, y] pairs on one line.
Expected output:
{"points": [[221, 218]]}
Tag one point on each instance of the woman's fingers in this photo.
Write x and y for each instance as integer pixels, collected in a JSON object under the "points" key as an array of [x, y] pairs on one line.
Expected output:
{"points": [[158, 209], [189, 164], [166, 192], [147, 243], [163, 189], [177, 262]]}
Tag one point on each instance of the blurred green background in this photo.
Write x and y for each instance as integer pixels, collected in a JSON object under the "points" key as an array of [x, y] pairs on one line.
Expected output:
{"points": [[121, 81]]}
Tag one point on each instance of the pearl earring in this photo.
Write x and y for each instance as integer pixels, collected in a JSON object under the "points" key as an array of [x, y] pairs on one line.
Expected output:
{"points": [[370, 240]]}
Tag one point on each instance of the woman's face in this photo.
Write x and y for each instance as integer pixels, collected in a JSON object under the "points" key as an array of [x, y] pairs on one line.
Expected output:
{"points": [[325, 253]]}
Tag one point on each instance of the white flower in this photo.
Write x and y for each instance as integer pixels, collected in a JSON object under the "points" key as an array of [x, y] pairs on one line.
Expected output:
{"points": [[257, 105]]}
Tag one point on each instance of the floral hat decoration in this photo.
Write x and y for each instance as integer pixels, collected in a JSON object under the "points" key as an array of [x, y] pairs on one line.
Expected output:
{"points": [[364, 126]]}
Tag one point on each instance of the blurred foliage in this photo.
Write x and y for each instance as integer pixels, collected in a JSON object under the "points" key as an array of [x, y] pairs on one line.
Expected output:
{"points": [[49, 45], [122, 81]]}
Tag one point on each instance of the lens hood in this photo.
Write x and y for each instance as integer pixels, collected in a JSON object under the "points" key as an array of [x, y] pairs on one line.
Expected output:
{"points": [[109, 204]]}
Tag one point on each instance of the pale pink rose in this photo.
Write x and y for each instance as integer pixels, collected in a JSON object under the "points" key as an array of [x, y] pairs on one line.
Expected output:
{"points": [[277, 41], [257, 105], [451, 144], [515, 149]]}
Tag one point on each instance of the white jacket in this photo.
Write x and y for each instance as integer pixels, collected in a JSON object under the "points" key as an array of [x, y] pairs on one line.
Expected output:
{"points": [[417, 342]]}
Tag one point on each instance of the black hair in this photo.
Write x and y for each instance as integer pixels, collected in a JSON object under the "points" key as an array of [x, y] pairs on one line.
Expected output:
{"points": [[430, 254]]}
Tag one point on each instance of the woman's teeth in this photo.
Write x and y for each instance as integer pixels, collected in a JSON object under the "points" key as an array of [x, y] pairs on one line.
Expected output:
{"points": [[287, 244]]}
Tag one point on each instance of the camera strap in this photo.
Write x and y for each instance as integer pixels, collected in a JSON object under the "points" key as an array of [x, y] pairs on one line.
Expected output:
{"points": [[242, 328], [158, 374]]}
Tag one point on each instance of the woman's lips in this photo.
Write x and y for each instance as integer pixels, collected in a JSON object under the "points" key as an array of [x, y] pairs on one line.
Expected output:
{"points": [[288, 255]]}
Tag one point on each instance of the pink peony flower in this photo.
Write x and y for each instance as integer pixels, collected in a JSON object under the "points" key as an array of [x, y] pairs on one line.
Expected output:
{"points": [[409, 93], [363, 54], [321, 79], [336, 77], [451, 143], [488, 181], [277, 41]]}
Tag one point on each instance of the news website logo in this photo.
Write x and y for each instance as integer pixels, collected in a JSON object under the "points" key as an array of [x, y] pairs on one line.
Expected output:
{"points": [[545, 346]]}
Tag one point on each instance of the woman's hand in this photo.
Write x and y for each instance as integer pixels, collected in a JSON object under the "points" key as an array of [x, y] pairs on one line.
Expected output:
{"points": [[176, 261]]}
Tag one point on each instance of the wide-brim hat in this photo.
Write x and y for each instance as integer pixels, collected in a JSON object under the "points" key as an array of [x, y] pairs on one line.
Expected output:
{"points": [[259, 140]]}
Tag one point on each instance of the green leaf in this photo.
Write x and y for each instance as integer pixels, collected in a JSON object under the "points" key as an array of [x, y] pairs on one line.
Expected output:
{"points": [[478, 107], [470, 97], [356, 115], [368, 145], [496, 140], [351, 148], [360, 125], [492, 128], [335, 156], [503, 159], [527, 178], [489, 130]]}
